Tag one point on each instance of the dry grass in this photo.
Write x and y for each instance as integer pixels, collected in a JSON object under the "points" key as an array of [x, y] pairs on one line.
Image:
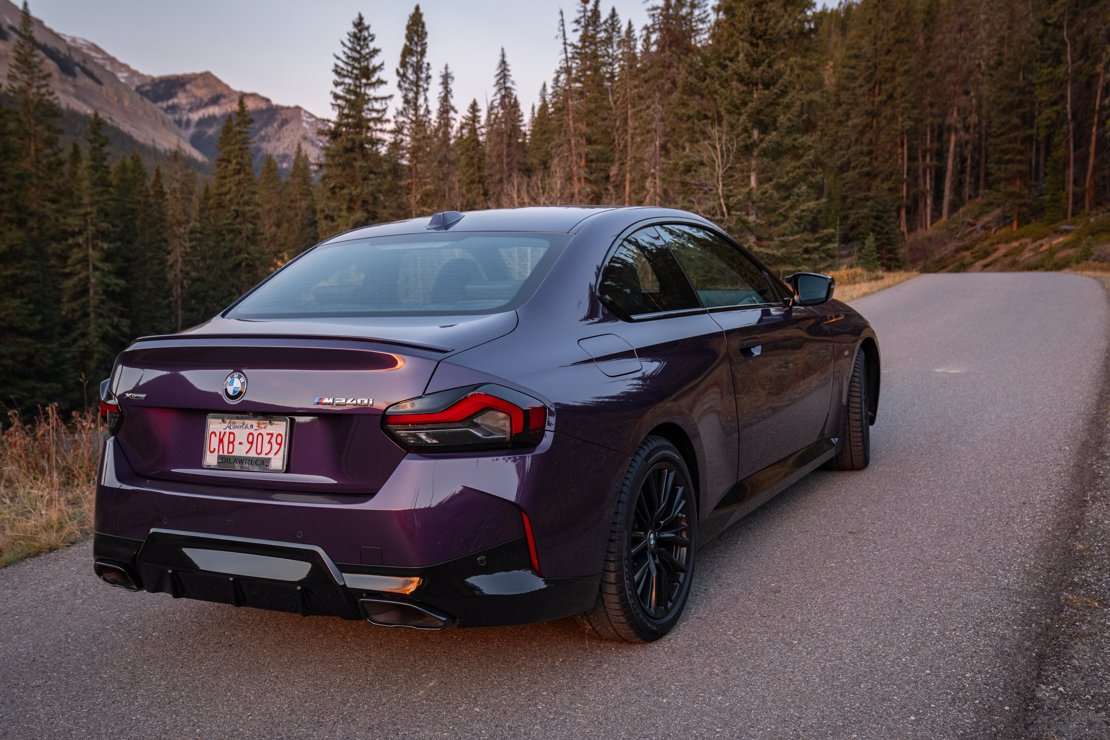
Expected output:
{"points": [[855, 282], [47, 482], [1102, 275]]}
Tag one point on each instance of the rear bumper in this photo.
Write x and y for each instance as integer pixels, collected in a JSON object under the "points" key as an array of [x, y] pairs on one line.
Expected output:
{"points": [[493, 587]]}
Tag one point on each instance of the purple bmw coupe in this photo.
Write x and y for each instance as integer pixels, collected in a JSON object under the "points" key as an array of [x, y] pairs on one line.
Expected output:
{"points": [[487, 418]]}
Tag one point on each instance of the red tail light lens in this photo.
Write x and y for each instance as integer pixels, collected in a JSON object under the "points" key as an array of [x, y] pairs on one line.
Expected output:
{"points": [[476, 417], [109, 408]]}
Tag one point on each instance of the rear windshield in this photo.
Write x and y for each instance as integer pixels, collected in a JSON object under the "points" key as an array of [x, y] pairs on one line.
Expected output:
{"points": [[464, 273]]}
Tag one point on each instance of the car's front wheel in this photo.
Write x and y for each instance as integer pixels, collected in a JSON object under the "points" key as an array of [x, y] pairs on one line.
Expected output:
{"points": [[650, 559], [854, 452]]}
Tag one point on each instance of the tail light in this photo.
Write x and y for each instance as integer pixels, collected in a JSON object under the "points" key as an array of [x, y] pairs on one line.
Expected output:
{"points": [[471, 418], [109, 408]]}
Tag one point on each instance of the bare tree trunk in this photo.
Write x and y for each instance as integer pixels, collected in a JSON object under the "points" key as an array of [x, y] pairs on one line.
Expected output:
{"points": [[571, 133], [949, 171], [967, 166], [930, 176], [655, 175], [720, 154], [753, 179], [905, 183], [1092, 158], [1071, 127], [628, 140], [983, 157]]}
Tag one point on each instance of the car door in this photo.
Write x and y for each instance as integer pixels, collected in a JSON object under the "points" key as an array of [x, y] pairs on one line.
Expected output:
{"points": [[675, 356], [780, 355]]}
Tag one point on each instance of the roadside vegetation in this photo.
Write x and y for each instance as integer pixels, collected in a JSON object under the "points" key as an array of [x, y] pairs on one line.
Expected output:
{"points": [[47, 481], [980, 238], [856, 282]]}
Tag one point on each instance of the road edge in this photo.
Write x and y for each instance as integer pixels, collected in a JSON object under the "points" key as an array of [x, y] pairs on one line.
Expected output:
{"points": [[1070, 693]]}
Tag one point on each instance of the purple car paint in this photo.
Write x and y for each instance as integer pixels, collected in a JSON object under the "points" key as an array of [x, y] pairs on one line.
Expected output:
{"points": [[460, 404]]}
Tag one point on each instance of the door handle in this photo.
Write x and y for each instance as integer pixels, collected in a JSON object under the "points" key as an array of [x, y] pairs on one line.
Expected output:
{"points": [[751, 351]]}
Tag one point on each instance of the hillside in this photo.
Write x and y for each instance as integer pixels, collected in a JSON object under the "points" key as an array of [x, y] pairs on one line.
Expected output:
{"points": [[174, 112], [979, 238]]}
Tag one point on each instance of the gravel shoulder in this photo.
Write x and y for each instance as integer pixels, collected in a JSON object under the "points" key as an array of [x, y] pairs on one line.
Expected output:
{"points": [[1072, 693]]}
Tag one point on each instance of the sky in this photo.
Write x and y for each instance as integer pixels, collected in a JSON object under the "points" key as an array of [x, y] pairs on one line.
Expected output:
{"points": [[283, 48]]}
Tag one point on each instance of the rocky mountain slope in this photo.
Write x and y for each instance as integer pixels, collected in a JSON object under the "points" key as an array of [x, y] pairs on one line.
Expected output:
{"points": [[83, 85], [174, 112], [199, 103]]}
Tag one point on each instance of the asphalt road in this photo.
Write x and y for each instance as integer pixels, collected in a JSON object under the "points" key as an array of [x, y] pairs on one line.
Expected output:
{"points": [[906, 600]]}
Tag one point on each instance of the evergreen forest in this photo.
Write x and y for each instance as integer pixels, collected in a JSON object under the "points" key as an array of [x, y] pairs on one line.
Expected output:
{"points": [[818, 137]]}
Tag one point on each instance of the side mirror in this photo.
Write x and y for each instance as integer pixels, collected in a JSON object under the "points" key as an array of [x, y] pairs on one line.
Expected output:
{"points": [[811, 288]]}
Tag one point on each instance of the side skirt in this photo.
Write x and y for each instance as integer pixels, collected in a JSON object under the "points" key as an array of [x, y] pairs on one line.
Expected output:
{"points": [[759, 488]]}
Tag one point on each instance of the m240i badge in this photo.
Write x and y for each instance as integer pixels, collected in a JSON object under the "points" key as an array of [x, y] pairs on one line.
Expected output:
{"points": [[340, 401]]}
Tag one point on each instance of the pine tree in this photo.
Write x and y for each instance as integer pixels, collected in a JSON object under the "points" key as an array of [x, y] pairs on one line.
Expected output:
{"points": [[757, 92], [546, 184], [128, 183], [671, 38], [413, 119], [236, 192], [150, 289], [33, 369], [1012, 112], [443, 159], [297, 231], [97, 322], [593, 112], [471, 153], [226, 254], [353, 171], [505, 153], [271, 212], [181, 196]]}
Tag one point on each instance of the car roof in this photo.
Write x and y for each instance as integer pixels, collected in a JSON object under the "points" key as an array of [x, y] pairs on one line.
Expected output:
{"points": [[549, 219]]}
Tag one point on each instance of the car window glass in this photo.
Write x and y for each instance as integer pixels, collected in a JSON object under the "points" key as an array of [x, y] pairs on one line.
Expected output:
{"points": [[642, 277], [721, 274], [406, 275]]}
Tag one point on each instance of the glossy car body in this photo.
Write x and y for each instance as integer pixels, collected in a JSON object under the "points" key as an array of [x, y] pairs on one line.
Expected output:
{"points": [[357, 526]]}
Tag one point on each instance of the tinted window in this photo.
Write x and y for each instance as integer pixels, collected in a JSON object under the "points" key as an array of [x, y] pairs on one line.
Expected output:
{"points": [[642, 277], [722, 275], [402, 275]]}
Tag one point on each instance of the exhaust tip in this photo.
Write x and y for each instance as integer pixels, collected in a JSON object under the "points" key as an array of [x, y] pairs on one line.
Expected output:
{"points": [[115, 575], [387, 613]]}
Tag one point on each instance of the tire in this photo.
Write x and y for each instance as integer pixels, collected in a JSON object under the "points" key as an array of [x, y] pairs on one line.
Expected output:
{"points": [[854, 452], [647, 575]]}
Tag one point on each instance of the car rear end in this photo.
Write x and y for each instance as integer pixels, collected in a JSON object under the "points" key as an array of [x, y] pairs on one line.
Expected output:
{"points": [[285, 455]]}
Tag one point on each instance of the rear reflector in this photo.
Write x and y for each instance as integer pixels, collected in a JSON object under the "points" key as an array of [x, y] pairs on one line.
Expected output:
{"points": [[531, 537]]}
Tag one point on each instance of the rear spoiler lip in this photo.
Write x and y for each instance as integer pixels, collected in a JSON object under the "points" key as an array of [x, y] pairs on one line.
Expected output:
{"points": [[165, 340]]}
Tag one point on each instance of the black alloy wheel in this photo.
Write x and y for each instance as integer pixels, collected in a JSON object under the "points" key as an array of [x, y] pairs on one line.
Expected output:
{"points": [[649, 564], [659, 540]]}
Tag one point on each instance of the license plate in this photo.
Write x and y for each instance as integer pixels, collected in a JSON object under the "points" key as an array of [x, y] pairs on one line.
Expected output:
{"points": [[246, 443]]}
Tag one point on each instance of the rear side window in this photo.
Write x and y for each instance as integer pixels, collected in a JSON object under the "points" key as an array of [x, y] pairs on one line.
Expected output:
{"points": [[721, 274], [642, 277], [464, 273]]}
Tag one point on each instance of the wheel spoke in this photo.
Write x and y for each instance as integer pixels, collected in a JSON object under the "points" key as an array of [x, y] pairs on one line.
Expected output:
{"points": [[653, 595], [674, 537], [662, 588], [669, 560], [678, 508], [665, 493], [638, 547], [640, 576]]}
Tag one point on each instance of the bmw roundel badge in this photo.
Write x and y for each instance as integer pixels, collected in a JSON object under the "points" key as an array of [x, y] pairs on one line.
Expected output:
{"points": [[235, 386]]}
